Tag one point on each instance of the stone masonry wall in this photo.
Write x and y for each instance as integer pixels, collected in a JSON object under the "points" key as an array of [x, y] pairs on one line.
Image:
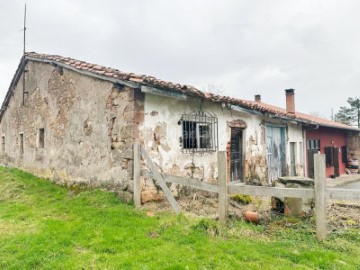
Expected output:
{"points": [[89, 127]]}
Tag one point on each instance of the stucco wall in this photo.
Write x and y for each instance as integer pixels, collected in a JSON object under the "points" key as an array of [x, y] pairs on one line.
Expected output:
{"points": [[161, 133], [89, 127]]}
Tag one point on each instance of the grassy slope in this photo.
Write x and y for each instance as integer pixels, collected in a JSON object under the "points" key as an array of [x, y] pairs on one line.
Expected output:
{"points": [[44, 226]]}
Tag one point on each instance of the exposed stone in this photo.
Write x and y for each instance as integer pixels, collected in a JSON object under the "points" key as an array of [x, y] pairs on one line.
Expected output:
{"points": [[88, 127], [130, 186], [151, 195], [75, 112]]}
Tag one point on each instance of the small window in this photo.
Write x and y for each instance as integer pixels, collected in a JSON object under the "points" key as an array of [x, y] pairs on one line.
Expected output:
{"points": [[41, 138], [313, 144], [3, 144], [199, 133], [21, 138]]}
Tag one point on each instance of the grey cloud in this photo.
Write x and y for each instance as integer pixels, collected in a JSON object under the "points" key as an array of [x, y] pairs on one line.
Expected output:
{"points": [[248, 47]]}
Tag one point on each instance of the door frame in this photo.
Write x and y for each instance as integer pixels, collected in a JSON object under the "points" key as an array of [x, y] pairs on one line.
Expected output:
{"points": [[241, 155]]}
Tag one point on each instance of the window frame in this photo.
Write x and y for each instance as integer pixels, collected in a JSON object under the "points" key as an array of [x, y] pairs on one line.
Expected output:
{"points": [[198, 141], [313, 144]]}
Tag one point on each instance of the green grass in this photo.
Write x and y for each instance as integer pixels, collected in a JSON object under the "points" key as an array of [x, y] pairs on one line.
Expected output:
{"points": [[44, 226]]}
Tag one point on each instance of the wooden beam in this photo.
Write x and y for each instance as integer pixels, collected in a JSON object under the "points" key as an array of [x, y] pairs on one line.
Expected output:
{"points": [[194, 183], [343, 194], [223, 187], [160, 180], [271, 191], [184, 181], [137, 180], [320, 196], [161, 92]]}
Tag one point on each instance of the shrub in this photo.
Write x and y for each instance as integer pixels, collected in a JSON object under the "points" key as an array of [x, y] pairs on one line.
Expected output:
{"points": [[241, 198]]}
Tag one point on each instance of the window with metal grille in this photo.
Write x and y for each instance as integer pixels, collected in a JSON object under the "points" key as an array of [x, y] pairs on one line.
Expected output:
{"points": [[199, 133]]}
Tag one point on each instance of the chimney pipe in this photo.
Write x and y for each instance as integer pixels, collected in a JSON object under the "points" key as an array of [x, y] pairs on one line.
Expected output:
{"points": [[257, 98], [290, 100]]}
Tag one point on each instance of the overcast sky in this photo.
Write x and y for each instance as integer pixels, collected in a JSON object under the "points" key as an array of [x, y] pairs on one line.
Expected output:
{"points": [[238, 47]]}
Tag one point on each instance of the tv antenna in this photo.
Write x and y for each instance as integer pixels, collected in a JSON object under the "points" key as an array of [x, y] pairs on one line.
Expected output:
{"points": [[23, 64]]}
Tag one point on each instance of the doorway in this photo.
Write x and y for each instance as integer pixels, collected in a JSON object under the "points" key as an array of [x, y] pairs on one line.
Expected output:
{"points": [[292, 158], [275, 143], [236, 164]]}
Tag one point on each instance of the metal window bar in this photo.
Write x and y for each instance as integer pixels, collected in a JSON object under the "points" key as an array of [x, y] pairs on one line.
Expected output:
{"points": [[199, 133]]}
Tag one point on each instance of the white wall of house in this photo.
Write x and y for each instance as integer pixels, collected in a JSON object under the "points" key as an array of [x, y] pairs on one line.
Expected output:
{"points": [[161, 133]]}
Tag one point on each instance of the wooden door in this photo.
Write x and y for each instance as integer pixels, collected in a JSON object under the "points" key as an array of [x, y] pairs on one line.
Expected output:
{"points": [[336, 162], [275, 142], [236, 166], [310, 158]]}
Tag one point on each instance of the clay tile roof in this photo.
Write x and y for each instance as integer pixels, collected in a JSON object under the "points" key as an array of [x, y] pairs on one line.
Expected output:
{"points": [[188, 90]]}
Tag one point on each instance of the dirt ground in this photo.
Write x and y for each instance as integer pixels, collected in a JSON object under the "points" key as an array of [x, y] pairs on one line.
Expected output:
{"points": [[340, 214]]}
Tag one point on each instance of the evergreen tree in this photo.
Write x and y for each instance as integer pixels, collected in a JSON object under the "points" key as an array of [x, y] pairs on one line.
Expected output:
{"points": [[350, 115]]}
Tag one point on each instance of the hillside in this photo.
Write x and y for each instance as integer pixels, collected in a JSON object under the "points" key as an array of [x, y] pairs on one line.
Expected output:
{"points": [[45, 226]]}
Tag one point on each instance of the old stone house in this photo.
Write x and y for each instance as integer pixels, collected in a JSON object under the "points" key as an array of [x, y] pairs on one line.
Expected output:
{"points": [[73, 121]]}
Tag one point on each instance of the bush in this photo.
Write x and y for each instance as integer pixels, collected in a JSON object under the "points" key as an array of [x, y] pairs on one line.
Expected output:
{"points": [[241, 198]]}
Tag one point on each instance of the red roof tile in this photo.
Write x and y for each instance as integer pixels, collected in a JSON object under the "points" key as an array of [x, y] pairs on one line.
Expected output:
{"points": [[188, 90]]}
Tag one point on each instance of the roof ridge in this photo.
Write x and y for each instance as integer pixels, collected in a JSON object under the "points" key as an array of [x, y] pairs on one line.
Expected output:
{"points": [[113, 73]]}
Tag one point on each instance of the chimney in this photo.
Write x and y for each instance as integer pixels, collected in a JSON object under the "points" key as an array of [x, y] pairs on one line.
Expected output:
{"points": [[257, 98], [290, 100]]}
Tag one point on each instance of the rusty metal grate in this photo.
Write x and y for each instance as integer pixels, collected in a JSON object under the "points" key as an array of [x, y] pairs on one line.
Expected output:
{"points": [[199, 132]]}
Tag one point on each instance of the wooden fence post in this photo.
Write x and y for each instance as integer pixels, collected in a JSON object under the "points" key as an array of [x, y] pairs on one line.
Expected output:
{"points": [[320, 196], [223, 189], [137, 170], [160, 180]]}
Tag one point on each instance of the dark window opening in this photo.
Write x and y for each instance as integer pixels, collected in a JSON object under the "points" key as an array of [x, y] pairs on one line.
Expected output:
{"points": [[329, 156], [41, 138], [344, 154], [205, 136], [199, 133], [21, 137], [189, 135], [3, 144]]}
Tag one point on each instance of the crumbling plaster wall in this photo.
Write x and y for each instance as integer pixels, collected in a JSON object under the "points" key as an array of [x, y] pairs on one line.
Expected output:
{"points": [[89, 127], [161, 133]]}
